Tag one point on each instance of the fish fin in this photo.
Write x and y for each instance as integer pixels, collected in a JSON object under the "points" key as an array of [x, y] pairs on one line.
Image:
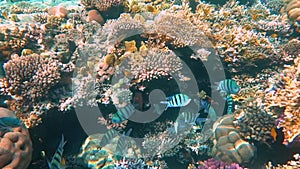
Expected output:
{"points": [[212, 113], [176, 127], [216, 86], [164, 102], [128, 132], [189, 100], [166, 107]]}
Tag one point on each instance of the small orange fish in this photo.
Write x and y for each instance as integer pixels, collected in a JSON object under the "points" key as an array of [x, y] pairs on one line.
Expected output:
{"points": [[274, 133], [274, 35]]}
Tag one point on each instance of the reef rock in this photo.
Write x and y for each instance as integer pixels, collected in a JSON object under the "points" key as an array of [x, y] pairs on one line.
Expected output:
{"points": [[15, 145]]}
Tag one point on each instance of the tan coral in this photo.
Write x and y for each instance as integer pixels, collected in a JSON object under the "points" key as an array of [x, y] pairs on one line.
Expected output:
{"points": [[293, 10], [15, 146]]}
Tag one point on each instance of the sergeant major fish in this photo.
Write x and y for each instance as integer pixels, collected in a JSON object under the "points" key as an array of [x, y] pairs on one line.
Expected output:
{"points": [[228, 86], [108, 137], [177, 100], [123, 114], [184, 120], [57, 161], [229, 100]]}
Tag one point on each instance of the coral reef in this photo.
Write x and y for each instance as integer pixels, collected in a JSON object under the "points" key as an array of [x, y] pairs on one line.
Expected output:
{"points": [[102, 5], [288, 98], [228, 144], [15, 145]]}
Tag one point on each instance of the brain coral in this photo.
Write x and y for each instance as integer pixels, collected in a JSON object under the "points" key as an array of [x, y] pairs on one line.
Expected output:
{"points": [[228, 145], [15, 146]]}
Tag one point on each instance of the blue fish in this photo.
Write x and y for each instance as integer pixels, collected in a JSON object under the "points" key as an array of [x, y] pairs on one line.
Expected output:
{"points": [[57, 160], [177, 100], [228, 86], [200, 120], [8, 123], [123, 114], [276, 86], [204, 105]]}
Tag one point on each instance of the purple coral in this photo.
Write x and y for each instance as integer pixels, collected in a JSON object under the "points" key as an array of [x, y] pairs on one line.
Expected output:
{"points": [[216, 164]]}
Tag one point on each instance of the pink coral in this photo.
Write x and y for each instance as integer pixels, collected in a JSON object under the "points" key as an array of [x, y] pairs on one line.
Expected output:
{"points": [[28, 80], [15, 146]]}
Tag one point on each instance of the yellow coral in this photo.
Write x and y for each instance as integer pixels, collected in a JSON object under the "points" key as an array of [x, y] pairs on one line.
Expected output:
{"points": [[130, 46]]}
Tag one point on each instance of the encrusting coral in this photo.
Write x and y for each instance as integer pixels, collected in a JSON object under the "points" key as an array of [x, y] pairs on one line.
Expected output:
{"points": [[15, 146]]}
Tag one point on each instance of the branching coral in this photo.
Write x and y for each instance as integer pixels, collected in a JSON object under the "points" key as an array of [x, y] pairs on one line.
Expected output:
{"points": [[25, 7], [152, 64], [13, 39], [29, 79]]}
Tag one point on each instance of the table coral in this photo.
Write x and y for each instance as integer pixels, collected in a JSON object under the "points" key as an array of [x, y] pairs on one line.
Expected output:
{"points": [[153, 63], [15, 146]]}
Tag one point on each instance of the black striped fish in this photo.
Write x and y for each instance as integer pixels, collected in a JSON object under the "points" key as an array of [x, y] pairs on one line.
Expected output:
{"points": [[187, 117], [108, 136], [228, 86], [229, 100], [123, 143], [57, 160], [185, 120], [177, 100], [123, 114]]}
